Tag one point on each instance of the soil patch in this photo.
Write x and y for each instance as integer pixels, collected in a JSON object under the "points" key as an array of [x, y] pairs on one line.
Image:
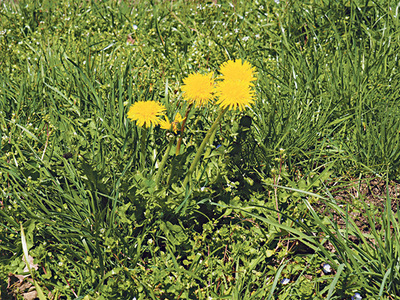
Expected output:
{"points": [[372, 193]]}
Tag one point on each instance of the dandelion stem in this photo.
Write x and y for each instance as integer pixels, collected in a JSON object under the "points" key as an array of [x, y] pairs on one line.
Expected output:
{"points": [[179, 143], [143, 148], [202, 146], [208, 152], [163, 162], [173, 166]]}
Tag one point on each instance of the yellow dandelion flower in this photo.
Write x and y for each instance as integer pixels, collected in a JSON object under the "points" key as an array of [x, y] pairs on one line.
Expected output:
{"points": [[178, 118], [234, 94], [198, 88], [146, 113], [167, 125], [238, 70]]}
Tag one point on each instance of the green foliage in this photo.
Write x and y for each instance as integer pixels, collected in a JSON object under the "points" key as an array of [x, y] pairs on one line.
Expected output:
{"points": [[100, 225]]}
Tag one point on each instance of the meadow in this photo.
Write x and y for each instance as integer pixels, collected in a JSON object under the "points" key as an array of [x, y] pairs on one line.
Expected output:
{"points": [[288, 191]]}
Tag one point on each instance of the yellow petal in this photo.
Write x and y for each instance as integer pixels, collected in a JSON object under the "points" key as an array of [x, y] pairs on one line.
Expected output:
{"points": [[165, 124], [198, 88], [178, 118]]}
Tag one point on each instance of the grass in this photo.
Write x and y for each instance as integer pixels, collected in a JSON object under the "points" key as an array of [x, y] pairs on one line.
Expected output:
{"points": [[81, 187]]}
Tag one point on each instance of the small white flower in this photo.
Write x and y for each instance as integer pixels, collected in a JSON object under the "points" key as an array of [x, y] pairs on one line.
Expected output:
{"points": [[326, 268], [285, 281], [356, 296]]}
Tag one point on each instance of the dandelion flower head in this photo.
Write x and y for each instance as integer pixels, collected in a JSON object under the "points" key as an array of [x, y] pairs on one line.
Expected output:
{"points": [[238, 70], [198, 88], [234, 94], [167, 125], [146, 113]]}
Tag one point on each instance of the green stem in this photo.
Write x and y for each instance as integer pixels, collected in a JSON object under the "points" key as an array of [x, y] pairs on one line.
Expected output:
{"points": [[173, 166], [178, 145], [202, 146], [143, 149], [208, 152], [163, 162]]}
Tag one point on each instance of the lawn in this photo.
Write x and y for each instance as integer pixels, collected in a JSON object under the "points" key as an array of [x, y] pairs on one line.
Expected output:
{"points": [[199, 149]]}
